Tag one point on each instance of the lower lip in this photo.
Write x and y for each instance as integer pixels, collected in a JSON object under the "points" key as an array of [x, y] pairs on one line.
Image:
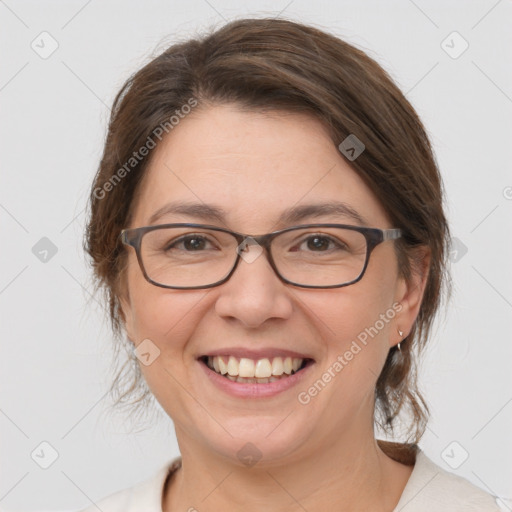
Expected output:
{"points": [[254, 390]]}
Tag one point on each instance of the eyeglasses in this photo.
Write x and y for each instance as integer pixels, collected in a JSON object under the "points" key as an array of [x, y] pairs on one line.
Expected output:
{"points": [[192, 256]]}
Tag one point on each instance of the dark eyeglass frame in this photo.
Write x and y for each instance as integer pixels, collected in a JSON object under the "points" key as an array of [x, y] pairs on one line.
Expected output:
{"points": [[374, 236]]}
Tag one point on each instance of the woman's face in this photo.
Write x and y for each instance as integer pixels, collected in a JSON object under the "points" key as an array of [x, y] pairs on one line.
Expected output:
{"points": [[254, 167]]}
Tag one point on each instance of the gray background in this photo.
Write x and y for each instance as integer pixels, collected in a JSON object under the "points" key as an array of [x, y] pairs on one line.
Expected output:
{"points": [[55, 343]]}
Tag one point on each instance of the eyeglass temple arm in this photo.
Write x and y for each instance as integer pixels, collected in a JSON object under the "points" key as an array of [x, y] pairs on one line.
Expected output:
{"points": [[391, 234], [123, 236]]}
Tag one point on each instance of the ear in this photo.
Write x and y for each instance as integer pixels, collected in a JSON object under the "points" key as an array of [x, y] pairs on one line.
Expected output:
{"points": [[126, 309], [409, 293]]}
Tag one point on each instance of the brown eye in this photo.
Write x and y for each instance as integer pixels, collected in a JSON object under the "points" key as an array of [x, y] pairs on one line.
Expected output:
{"points": [[190, 243], [318, 243]]}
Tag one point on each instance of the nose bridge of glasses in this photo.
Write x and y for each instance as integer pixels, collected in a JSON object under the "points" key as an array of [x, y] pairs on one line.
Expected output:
{"points": [[260, 240], [251, 247]]}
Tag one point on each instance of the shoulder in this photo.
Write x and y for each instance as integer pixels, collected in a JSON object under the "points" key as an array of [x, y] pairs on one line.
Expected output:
{"points": [[146, 495], [430, 487]]}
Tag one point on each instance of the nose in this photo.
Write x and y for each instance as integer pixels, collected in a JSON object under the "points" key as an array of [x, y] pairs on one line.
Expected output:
{"points": [[254, 294]]}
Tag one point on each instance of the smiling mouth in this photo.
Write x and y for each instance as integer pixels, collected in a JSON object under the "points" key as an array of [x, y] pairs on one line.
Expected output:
{"points": [[260, 371]]}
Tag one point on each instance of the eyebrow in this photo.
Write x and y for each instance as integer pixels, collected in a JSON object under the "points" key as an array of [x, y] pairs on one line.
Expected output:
{"points": [[293, 215]]}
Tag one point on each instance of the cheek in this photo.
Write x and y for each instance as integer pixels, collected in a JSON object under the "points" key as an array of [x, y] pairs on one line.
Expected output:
{"points": [[355, 325], [166, 317], [347, 314]]}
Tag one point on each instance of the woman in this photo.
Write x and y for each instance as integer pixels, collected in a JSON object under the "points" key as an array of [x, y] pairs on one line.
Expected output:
{"points": [[267, 224]]}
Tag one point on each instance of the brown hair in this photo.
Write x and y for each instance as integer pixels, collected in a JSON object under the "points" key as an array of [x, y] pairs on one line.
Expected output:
{"points": [[276, 64]]}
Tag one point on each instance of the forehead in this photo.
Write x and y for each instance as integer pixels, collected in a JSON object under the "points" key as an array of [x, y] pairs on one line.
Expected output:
{"points": [[253, 166]]}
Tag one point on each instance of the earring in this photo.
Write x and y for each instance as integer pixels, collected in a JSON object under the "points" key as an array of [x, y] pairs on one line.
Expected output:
{"points": [[400, 333]]}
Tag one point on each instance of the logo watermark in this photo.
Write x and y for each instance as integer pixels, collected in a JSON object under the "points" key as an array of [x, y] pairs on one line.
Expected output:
{"points": [[304, 397], [137, 156]]}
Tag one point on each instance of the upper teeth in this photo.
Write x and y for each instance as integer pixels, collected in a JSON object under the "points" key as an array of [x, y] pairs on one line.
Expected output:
{"points": [[260, 368]]}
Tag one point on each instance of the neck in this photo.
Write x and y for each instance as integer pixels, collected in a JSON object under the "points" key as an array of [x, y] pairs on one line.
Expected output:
{"points": [[346, 476]]}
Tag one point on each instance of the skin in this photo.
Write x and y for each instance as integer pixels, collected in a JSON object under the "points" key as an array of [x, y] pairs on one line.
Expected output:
{"points": [[320, 456]]}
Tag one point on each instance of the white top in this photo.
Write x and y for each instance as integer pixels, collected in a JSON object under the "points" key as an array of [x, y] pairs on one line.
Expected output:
{"points": [[429, 488]]}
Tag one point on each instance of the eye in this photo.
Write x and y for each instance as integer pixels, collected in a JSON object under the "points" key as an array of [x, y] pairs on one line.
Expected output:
{"points": [[321, 243], [318, 243], [190, 243]]}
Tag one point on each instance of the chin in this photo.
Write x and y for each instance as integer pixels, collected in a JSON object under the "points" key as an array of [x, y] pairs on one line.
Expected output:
{"points": [[265, 441]]}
